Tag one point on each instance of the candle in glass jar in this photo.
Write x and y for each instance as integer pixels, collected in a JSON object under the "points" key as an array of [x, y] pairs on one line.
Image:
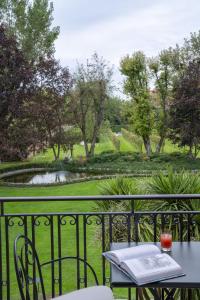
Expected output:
{"points": [[166, 241]]}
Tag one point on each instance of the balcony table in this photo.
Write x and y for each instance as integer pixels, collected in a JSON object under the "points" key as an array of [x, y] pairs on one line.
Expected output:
{"points": [[187, 254]]}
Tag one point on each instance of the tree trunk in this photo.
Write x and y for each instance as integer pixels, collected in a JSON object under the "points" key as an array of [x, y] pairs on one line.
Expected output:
{"points": [[85, 146], [160, 144], [190, 154], [147, 145], [58, 152], [54, 152], [85, 140], [93, 143], [71, 151], [195, 150]]}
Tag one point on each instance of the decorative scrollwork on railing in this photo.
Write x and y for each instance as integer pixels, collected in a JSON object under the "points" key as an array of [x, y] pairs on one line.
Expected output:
{"points": [[71, 218], [98, 219], [125, 220], [175, 220], [119, 227], [13, 219], [166, 220], [152, 218], [45, 220], [193, 219], [118, 219]]}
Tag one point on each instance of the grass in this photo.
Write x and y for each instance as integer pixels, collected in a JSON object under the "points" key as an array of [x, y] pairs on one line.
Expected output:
{"points": [[88, 188], [125, 145]]}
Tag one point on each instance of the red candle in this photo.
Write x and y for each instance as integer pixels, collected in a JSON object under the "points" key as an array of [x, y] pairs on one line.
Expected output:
{"points": [[166, 241]]}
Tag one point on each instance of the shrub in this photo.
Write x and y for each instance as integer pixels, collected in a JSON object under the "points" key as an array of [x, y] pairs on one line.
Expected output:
{"points": [[176, 183], [105, 157], [135, 156], [123, 186]]}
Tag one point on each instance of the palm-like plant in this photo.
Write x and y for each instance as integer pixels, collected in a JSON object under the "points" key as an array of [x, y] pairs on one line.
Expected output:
{"points": [[175, 183], [124, 186]]}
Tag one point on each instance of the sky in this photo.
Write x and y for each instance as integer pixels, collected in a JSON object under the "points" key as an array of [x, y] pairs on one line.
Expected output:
{"points": [[114, 28]]}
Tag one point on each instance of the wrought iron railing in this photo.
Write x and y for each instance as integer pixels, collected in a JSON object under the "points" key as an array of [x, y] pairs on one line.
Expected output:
{"points": [[82, 234]]}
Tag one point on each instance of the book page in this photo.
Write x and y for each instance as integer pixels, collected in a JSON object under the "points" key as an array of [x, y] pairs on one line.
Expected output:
{"points": [[152, 268], [132, 252]]}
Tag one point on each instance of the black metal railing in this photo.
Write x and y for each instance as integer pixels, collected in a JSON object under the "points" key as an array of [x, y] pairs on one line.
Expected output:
{"points": [[82, 234]]}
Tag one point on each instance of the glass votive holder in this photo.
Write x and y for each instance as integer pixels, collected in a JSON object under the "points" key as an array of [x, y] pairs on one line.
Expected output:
{"points": [[166, 241]]}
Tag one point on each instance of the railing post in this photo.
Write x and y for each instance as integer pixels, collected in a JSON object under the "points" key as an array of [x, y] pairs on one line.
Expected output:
{"points": [[132, 206], [2, 210]]}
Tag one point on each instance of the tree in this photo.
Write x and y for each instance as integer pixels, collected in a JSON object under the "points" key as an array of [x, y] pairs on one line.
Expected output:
{"points": [[30, 22], [185, 110], [48, 107], [72, 137], [114, 113], [136, 85], [162, 71], [88, 99], [16, 76]]}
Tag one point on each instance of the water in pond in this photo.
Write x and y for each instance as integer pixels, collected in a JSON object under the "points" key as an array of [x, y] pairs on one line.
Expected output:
{"points": [[47, 177]]}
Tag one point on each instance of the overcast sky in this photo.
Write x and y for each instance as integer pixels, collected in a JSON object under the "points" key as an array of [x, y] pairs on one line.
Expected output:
{"points": [[115, 28]]}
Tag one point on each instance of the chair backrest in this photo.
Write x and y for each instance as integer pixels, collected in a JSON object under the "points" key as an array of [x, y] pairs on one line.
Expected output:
{"points": [[28, 270]]}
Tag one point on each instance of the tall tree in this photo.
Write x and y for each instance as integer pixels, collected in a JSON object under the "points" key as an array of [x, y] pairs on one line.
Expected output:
{"points": [[185, 110], [136, 85], [88, 99], [48, 107], [162, 72], [16, 77], [31, 22]]}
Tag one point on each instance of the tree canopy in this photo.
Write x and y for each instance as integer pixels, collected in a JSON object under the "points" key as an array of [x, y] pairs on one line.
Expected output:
{"points": [[88, 99], [136, 85], [16, 77], [185, 110], [31, 23]]}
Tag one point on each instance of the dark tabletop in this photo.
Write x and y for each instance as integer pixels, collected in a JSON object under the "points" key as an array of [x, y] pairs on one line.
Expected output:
{"points": [[187, 254]]}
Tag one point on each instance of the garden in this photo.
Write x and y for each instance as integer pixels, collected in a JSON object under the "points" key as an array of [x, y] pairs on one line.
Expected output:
{"points": [[82, 166]]}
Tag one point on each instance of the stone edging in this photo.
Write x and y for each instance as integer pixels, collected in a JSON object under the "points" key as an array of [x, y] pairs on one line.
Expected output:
{"points": [[75, 180], [22, 171], [71, 181]]}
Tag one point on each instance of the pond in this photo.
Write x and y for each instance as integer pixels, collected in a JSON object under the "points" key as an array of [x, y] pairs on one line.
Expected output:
{"points": [[44, 177]]}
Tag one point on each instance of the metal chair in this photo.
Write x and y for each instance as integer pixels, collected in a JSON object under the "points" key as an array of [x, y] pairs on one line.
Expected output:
{"points": [[30, 281]]}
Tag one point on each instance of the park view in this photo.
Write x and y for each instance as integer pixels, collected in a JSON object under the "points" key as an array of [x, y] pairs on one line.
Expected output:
{"points": [[94, 127]]}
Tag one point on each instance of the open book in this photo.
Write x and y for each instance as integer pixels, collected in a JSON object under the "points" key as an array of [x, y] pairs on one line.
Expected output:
{"points": [[144, 263]]}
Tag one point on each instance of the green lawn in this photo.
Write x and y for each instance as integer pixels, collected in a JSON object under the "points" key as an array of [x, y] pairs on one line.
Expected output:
{"points": [[81, 189], [126, 145]]}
